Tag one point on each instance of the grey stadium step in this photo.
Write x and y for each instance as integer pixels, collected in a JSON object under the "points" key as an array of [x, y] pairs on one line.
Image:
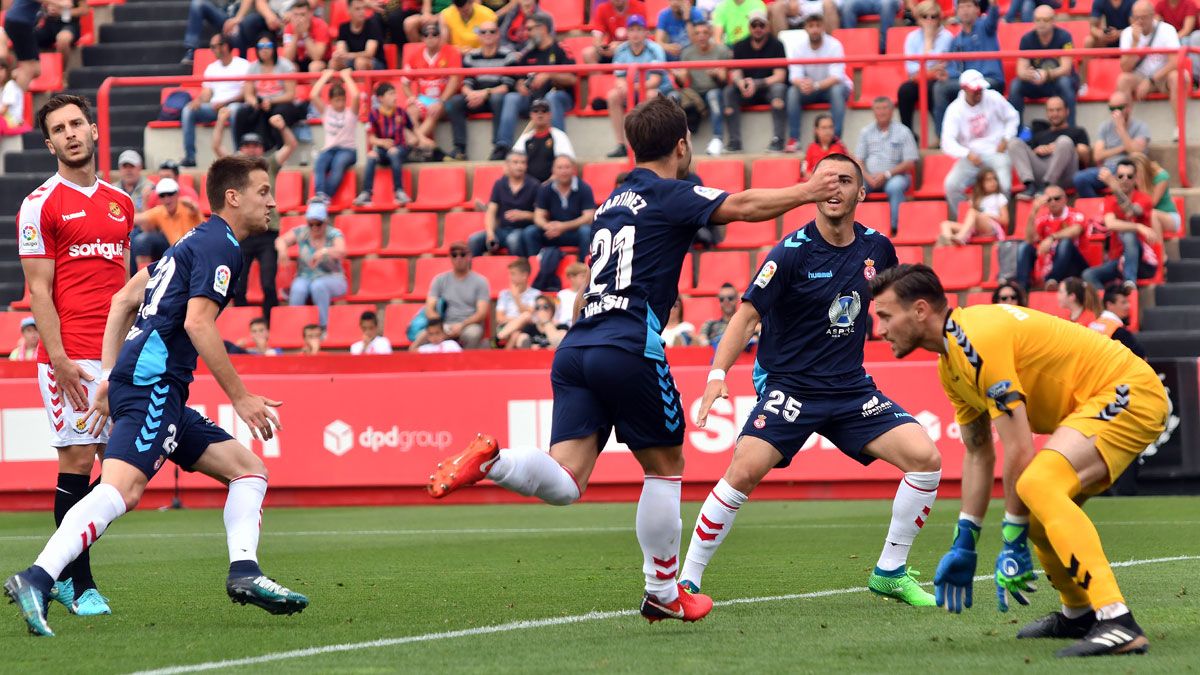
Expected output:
{"points": [[1189, 247], [137, 31], [1173, 343], [1172, 318], [130, 137], [14, 188], [11, 291], [126, 95], [30, 161], [1187, 269], [92, 77], [132, 115], [8, 247], [1180, 293], [156, 11], [132, 53]]}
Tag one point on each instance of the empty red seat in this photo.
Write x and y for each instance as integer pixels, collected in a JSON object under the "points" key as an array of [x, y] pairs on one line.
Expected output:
{"points": [[599, 84], [411, 234], [602, 177], [718, 268], [459, 226], [959, 267], [381, 280], [494, 268], [440, 188], [881, 79], [934, 169], [1009, 35], [396, 318], [482, 180], [575, 45], [568, 15], [687, 275], [798, 218], [875, 215], [859, 41], [697, 310], [363, 232], [289, 191], [51, 78], [725, 174], [750, 235], [919, 223], [10, 323], [1047, 301], [1102, 77], [343, 197], [287, 325], [979, 298], [343, 329], [233, 323], [774, 172], [896, 36], [912, 255], [383, 195], [425, 269]]}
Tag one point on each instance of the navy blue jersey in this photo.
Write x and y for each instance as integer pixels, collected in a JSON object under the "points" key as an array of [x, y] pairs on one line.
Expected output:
{"points": [[639, 239], [813, 300], [205, 263]]}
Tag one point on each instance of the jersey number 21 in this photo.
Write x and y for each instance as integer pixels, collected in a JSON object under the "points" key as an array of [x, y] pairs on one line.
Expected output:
{"points": [[604, 244]]}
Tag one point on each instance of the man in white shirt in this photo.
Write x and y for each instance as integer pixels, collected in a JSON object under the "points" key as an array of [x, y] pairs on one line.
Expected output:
{"points": [[819, 83], [373, 341], [213, 95], [976, 130], [1151, 73]]}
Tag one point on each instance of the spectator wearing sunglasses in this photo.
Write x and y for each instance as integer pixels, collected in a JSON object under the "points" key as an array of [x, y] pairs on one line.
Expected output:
{"points": [[463, 297], [461, 23], [1131, 230], [320, 276], [712, 330], [486, 93], [169, 168], [1120, 135], [542, 331], [265, 99], [1009, 293], [164, 224], [1050, 252]]}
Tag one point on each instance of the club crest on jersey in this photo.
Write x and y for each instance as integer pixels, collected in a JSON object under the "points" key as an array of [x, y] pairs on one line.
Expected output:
{"points": [[760, 422], [114, 212], [766, 274], [221, 280], [843, 311], [869, 269]]}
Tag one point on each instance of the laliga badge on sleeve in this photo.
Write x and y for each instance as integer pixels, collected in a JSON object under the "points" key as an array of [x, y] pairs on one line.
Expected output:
{"points": [[766, 274], [221, 280]]}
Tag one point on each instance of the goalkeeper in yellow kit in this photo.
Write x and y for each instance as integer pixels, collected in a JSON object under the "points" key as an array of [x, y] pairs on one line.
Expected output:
{"points": [[1028, 372]]}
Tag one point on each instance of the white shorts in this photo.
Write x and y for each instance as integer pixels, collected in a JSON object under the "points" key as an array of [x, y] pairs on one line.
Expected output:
{"points": [[66, 423]]}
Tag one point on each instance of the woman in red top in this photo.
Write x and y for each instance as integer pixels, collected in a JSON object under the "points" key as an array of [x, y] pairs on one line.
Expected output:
{"points": [[825, 143], [1078, 298]]}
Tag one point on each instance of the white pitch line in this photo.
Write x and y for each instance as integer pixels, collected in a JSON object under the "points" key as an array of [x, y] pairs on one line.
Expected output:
{"points": [[520, 530], [536, 623]]}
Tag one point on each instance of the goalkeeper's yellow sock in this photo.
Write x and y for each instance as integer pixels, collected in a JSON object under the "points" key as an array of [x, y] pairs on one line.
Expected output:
{"points": [[1048, 486], [1074, 599]]}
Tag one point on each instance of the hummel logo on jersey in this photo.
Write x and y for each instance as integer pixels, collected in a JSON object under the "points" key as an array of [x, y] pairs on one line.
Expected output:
{"points": [[73, 216], [820, 275], [874, 407], [103, 249]]}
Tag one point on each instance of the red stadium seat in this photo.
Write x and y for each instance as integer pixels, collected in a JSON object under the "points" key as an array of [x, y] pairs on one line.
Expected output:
{"points": [[568, 15], [287, 325], [440, 188], [383, 195], [875, 215], [1079, 8], [1183, 224], [896, 36], [698, 310], [725, 174], [459, 226], [933, 177], [494, 268], [203, 192], [881, 79], [289, 191], [598, 86], [411, 234], [687, 276], [484, 177], [653, 9], [51, 78], [960, 267], [976, 238], [574, 46], [10, 323], [722, 267], [602, 176], [396, 318], [799, 217], [913, 255], [1158, 277], [363, 232], [343, 329], [990, 280], [342, 198], [979, 298], [233, 323], [381, 280], [750, 235], [1079, 30], [1102, 77], [23, 303], [858, 41], [1047, 301], [1009, 35], [425, 270], [774, 172]]}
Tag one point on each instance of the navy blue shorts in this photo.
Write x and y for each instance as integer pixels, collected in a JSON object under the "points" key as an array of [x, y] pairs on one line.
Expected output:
{"points": [[598, 388], [849, 421], [152, 424]]}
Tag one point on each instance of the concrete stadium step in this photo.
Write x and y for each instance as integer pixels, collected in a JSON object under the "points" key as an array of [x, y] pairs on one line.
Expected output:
{"points": [[29, 161], [127, 53], [1180, 317], [1180, 293], [151, 11], [10, 268], [32, 140], [137, 31], [15, 187], [126, 95], [130, 137], [8, 248], [1172, 343], [11, 291], [1187, 269], [1189, 247], [132, 115], [91, 77]]}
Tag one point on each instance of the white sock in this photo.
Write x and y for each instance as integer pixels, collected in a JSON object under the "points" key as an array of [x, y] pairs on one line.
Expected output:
{"points": [[534, 473], [910, 509], [1106, 612], [81, 527], [1076, 612], [243, 516], [712, 526], [658, 528]]}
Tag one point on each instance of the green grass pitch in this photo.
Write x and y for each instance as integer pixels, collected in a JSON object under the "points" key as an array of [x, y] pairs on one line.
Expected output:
{"points": [[436, 575]]}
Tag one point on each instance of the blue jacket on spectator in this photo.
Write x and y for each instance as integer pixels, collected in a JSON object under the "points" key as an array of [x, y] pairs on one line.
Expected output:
{"points": [[982, 38]]}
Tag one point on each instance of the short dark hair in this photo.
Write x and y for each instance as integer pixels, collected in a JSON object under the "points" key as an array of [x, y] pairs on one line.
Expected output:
{"points": [[231, 173], [821, 118], [911, 283], [383, 88], [729, 286], [1129, 163], [308, 327], [654, 128], [1114, 291], [434, 322], [839, 157], [336, 90], [301, 4], [257, 320], [369, 316], [521, 264], [61, 101]]}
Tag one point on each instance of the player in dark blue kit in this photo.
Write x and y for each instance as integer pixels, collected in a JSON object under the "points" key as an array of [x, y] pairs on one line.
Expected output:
{"points": [[159, 323], [611, 371], [811, 295]]}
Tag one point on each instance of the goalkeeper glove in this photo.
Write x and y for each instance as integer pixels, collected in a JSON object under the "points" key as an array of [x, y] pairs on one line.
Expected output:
{"points": [[1014, 565], [956, 572]]}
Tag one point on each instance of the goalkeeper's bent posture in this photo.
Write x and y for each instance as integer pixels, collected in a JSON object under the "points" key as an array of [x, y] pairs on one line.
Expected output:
{"points": [[1028, 372]]}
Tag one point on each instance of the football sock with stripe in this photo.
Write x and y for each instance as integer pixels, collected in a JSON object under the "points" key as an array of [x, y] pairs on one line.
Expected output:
{"points": [[1048, 487], [658, 528], [910, 509], [534, 473], [80, 528], [243, 516], [1074, 599], [712, 525], [71, 488]]}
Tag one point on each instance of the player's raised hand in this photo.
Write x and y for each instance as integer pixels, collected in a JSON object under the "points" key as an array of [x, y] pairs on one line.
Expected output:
{"points": [[1014, 565], [256, 411], [98, 414], [955, 576], [69, 377], [714, 390], [823, 184]]}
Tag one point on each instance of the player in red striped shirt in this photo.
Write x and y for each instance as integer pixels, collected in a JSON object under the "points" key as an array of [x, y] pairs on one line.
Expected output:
{"points": [[73, 233]]}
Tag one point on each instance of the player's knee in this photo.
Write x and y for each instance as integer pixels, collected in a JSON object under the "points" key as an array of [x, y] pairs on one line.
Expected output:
{"points": [[1046, 474], [77, 459], [928, 461]]}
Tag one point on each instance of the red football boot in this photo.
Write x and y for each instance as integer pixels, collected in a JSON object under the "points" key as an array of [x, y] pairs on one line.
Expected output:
{"points": [[467, 468], [688, 607]]}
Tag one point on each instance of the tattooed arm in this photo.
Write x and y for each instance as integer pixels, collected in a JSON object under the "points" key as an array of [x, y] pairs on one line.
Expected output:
{"points": [[979, 465]]}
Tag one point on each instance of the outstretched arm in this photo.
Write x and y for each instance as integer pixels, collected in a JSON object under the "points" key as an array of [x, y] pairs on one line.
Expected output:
{"points": [[756, 205]]}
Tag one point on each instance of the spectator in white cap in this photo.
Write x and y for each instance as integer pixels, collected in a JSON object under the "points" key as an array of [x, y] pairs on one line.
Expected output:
{"points": [[130, 179], [319, 273], [976, 131], [27, 344], [164, 224]]}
